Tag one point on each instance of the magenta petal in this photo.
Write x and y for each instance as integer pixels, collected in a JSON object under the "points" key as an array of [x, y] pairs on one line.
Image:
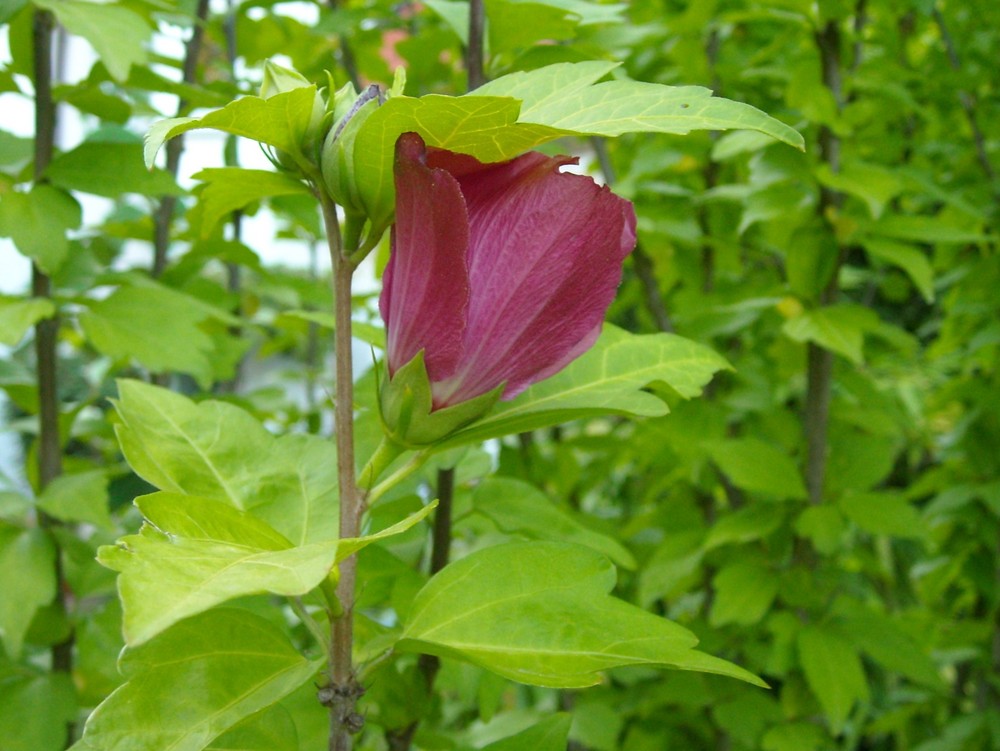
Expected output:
{"points": [[545, 258], [425, 293]]}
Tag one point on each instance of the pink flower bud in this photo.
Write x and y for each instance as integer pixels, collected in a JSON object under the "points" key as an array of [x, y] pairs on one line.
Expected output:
{"points": [[501, 273]]}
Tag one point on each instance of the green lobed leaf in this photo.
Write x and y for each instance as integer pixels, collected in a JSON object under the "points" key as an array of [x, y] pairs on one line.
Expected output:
{"points": [[217, 451], [117, 34], [196, 681], [520, 111], [17, 315], [518, 507], [27, 581], [281, 121], [613, 108], [38, 221], [833, 671], [540, 613], [196, 553], [227, 189], [609, 379]]}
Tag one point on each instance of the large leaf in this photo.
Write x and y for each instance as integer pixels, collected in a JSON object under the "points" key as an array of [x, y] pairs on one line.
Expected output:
{"points": [[540, 613], [609, 379], [520, 111], [197, 553], [517, 507], [564, 98], [217, 451], [195, 682]]}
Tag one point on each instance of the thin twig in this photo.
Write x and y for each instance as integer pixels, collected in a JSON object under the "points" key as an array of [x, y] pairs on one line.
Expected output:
{"points": [[164, 217], [47, 330], [642, 264], [967, 100], [474, 50], [819, 360]]}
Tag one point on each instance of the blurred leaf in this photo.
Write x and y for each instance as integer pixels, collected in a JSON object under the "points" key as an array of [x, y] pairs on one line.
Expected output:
{"points": [[214, 670], [823, 526], [118, 34], [833, 670], [110, 169], [227, 189], [548, 735], [839, 328], [78, 497], [907, 257], [923, 229], [883, 513], [795, 736], [27, 581], [872, 183], [749, 523], [539, 613], [759, 467], [744, 592], [157, 326], [18, 315], [37, 222], [34, 710], [517, 507]]}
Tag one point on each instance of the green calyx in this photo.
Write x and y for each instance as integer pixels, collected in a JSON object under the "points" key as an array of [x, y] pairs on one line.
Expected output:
{"points": [[407, 410], [279, 80]]}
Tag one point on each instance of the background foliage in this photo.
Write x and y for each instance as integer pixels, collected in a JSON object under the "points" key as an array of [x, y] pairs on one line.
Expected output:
{"points": [[826, 515]]}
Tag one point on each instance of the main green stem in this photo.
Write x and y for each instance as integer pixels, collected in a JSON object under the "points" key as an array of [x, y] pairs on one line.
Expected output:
{"points": [[343, 718]]}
